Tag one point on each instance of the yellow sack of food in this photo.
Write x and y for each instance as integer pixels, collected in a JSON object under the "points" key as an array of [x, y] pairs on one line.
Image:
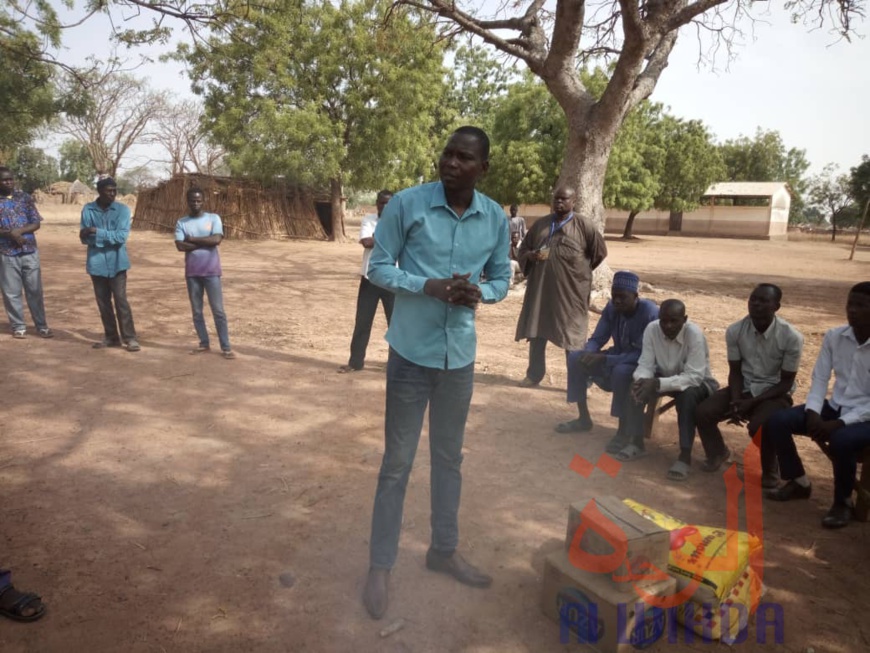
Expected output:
{"points": [[723, 620], [713, 558]]}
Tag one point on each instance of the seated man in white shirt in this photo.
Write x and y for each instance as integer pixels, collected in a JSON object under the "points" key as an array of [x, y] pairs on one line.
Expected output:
{"points": [[843, 421], [675, 361]]}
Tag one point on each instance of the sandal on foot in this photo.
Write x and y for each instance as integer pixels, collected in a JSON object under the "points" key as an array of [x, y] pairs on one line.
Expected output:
{"points": [[228, 354], [201, 349], [347, 369], [574, 426], [713, 464], [679, 472], [21, 334], [103, 344], [14, 605], [630, 453], [45, 333], [615, 445]]}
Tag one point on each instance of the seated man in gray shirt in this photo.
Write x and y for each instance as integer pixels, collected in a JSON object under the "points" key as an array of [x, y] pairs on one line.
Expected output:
{"points": [[675, 361], [764, 353]]}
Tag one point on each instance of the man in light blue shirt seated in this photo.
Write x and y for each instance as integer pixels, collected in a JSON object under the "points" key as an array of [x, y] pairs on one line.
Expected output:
{"points": [[443, 236]]}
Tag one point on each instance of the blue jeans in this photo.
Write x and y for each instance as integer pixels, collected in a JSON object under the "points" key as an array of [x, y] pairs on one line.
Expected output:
{"points": [[21, 275], [610, 378], [846, 443], [212, 287], [410, 387]]}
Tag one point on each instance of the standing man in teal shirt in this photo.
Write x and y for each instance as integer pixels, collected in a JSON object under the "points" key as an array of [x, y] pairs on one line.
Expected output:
{"points": [[443, 235], [105, 228]]}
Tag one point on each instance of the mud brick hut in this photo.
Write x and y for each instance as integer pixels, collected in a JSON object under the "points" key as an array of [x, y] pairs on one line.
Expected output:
{"points": [[248, 209]]}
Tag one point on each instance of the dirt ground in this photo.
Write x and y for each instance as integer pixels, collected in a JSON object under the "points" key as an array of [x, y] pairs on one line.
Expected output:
{"points": [[154, 499]]}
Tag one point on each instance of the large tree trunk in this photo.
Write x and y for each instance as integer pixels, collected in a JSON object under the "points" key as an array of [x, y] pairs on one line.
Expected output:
{"points": [[629, 225], [833, 227], [587, 150], [335, 199]]}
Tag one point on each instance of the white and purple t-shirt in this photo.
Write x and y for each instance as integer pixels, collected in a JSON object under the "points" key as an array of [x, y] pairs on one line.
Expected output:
{"points": [[203, 261]]}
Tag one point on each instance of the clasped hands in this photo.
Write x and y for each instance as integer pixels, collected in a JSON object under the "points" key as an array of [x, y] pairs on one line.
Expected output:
{"points": [[457, 290]]}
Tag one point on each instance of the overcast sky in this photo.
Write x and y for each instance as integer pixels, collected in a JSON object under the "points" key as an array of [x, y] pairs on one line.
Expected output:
{"points": [[809, 85]]}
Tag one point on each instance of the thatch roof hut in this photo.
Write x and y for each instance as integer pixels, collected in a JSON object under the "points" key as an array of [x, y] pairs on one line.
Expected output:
{"points": [[248, 210], [76, 192]]}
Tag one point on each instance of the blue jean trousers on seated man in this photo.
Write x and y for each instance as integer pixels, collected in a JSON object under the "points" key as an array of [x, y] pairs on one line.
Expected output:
{"points": [[610, 378], [410, 388], [845, 445], [211, 286], [21, 278]]}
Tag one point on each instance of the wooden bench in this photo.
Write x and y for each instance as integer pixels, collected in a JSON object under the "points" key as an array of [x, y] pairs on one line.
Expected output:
{"points": [[653, 410]]}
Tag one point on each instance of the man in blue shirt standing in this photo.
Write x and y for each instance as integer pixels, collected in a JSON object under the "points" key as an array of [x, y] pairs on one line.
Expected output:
{"points": [[105, 228], [198, 235], [20, 272], [443, 235], [623, 320]]}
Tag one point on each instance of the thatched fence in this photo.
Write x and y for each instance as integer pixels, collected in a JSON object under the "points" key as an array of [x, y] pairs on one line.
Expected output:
{"points": [[247, 209]]}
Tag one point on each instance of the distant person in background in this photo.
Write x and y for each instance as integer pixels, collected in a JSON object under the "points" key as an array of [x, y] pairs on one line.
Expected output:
{"points": [[105, 227], [20, 273], [198, 235], [557, 256], [516, 269], [517, 224], [369, 294]]}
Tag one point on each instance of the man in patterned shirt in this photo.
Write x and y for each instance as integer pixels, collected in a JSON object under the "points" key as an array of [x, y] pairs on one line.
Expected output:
{"points": [[20, 274]]}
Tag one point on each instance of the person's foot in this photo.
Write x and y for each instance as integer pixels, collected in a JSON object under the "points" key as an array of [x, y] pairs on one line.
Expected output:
{"points": [[106, 342], [838, 516], [790, 491], [347, 369], [200, 349], [133, 345], [376, 593], [528, 383], [769, 481], [45, 332], [458, 567], [20, 334], [229, 354], [714, 463], [20, 606], [579, 425]]}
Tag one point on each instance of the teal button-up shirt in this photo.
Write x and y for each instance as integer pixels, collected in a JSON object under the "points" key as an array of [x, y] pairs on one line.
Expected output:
{"points": [[107, 249], [424, 235]]}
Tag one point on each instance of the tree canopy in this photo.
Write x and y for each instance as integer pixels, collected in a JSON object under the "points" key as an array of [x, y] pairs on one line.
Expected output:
{"points": [[323, 94]]}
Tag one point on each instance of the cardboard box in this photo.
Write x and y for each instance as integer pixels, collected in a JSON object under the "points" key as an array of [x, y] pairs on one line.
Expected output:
{"points": [[591, 610], [617, 542]]}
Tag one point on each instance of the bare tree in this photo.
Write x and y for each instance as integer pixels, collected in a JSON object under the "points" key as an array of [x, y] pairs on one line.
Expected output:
{"points": [[118, 114], [637, 37], [187, 144]]}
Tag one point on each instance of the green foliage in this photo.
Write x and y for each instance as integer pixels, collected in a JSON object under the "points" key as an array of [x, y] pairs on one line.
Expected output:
{"points": [[528, 136], [859, 182], [323, 93], [75, 162], [691, 164], [765, 158], [33, 168], [633, 179]]}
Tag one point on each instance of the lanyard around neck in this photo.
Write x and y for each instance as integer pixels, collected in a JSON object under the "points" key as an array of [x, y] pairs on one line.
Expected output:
{"points": [[556, 227]]}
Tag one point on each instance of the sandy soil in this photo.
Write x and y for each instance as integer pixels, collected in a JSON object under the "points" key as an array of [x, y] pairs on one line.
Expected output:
{"points": [[154, 499]]}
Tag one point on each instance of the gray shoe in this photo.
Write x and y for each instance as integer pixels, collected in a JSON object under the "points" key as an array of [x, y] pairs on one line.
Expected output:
{"points": [[132, 345]]}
